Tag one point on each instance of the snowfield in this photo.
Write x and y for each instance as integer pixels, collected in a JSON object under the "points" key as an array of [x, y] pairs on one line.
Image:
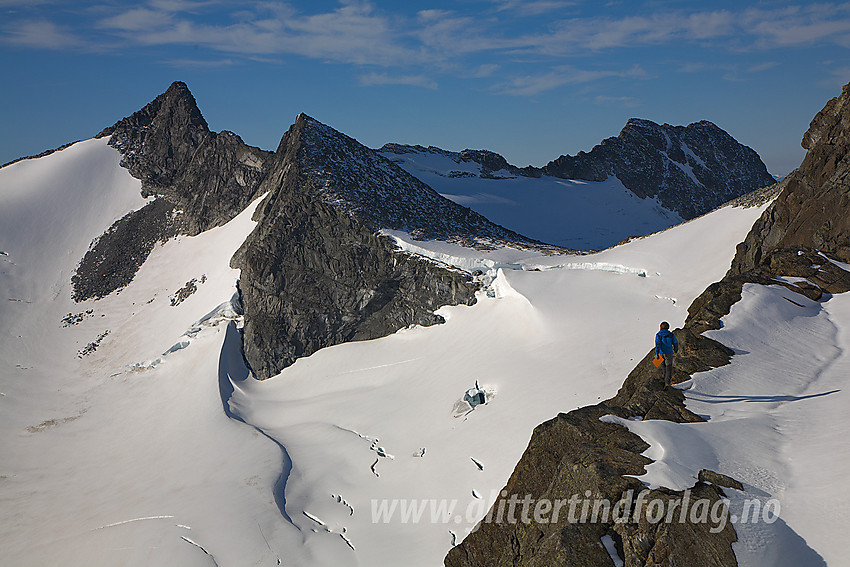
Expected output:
{"points": [[158, 447], [103, 465], [581, 215]]}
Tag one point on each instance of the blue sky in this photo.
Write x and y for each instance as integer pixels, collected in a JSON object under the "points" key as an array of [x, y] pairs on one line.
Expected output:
{"points": [[531, 80]]}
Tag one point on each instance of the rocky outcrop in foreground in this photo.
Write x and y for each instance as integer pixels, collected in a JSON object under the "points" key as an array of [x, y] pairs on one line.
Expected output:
{"points": [[576, 452], [812, 211]]}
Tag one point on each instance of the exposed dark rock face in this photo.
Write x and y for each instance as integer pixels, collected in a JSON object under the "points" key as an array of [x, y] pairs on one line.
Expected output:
{"points": [[200, 179], [490, 162], [114, 258], [566, 455], [808, 218], [363, 182], [158, 141], [684, 544], [718, 479], [315, 273], [211, 177], [690, 169], [814, 209]]}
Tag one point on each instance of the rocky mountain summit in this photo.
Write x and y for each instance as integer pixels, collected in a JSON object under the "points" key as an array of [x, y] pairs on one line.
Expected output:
{"points": [[315, 272], [576, 452], [366, 184], [689, 169], [197, 179]]}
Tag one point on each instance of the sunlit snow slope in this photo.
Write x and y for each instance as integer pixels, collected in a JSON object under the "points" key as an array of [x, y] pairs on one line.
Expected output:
{"points": [[371, 422], [777, 421], [103, 465], [582, 215], [156, 447]]}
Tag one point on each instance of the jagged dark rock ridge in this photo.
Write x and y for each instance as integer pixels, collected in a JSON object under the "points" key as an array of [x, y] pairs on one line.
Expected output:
{"points": [[690, 169], [315, 272], [490, 162], [814, 209], [210, 177], [575, 452], [379, 192], [200, 179]]}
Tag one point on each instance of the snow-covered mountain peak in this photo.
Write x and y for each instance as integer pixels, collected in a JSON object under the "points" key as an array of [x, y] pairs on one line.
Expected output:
{"points": [[647, 178], [689, 169]]}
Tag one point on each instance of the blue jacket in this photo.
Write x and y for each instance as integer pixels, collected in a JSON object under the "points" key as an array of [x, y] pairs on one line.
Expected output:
{"points": [[665, 342]]}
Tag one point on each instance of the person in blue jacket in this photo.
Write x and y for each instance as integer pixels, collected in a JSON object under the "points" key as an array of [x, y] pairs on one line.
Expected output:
{"points": [[665, 346]]}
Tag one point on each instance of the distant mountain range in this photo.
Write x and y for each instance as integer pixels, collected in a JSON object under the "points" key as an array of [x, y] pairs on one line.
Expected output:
{"points": [[689, 170]]}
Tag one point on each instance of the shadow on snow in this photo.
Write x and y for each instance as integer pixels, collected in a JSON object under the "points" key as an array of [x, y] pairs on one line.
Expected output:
{"points": [[232, 370]]}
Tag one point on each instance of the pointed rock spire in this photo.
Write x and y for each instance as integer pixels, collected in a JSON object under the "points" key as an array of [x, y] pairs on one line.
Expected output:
{"points": [[208, 177], [315, 273], [158, 140]]}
